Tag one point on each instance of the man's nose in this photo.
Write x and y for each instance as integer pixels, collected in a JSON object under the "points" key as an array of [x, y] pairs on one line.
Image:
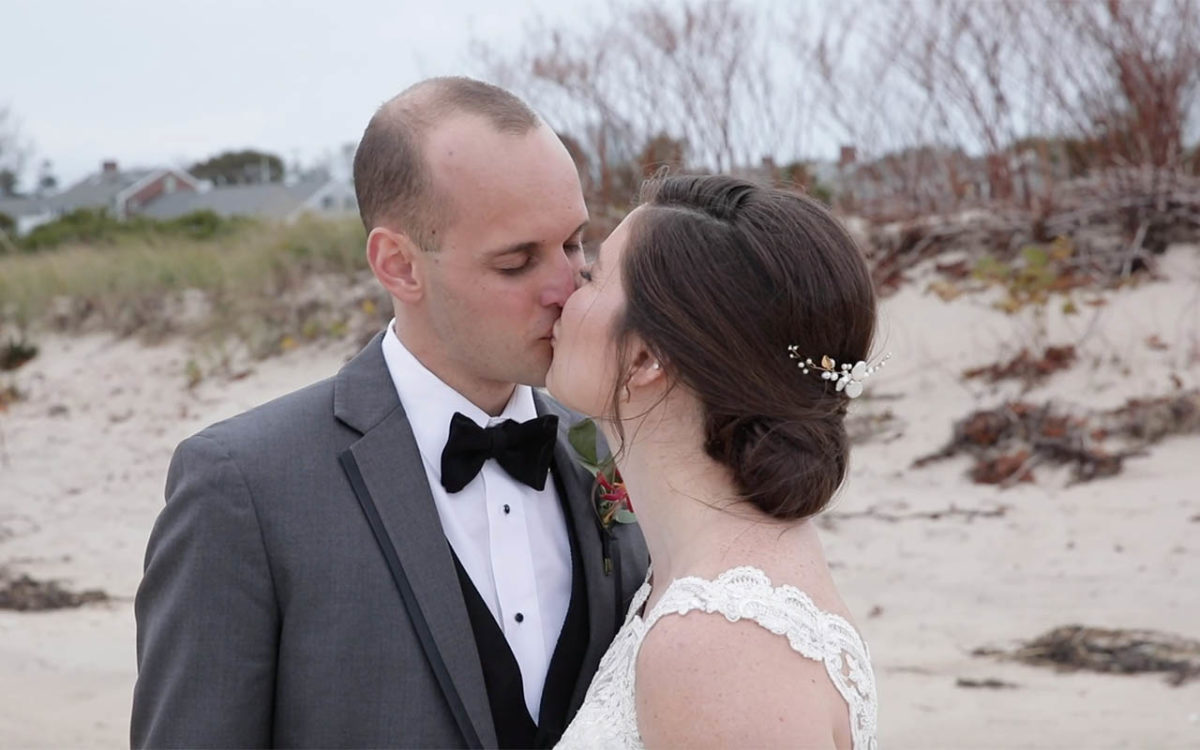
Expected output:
{"points": [[561, 281]]}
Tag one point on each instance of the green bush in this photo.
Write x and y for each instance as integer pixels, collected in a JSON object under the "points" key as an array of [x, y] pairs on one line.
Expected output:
{"points": [[203, 225], [96, 227], [84, 226]]}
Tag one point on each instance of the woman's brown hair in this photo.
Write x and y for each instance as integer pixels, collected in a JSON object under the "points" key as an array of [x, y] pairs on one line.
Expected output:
{"points": [[721, 276]]}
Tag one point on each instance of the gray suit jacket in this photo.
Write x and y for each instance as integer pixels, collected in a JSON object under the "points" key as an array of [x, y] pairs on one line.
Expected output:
{"points": [[267, 615]]}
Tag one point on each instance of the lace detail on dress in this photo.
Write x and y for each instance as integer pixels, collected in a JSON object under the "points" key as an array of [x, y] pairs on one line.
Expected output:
{"points": [[608, 716]]}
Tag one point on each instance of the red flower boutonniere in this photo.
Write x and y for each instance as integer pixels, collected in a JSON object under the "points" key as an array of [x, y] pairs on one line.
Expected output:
{"points": [[613, 504], [612, 501]]}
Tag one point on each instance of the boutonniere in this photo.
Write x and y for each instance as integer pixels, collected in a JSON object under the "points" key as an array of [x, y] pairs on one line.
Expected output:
{"points": [[612, 502]]}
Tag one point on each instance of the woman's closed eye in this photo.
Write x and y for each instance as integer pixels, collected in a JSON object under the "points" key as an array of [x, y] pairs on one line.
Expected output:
{"points": [[585, 273]]}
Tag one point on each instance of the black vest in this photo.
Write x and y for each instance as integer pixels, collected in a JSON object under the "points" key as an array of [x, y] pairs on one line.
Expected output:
{"points": [[502, 674]]}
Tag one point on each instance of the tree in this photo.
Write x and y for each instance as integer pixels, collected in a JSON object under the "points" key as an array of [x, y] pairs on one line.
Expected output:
{"points": [[977, 101], [46, 181], [8, 230], [705, 73], [1134, 89], [13, 152], [1087, 85], [246, 167], [662, 151]]}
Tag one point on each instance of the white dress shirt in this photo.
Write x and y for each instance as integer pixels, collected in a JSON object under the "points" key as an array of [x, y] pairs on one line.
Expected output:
{"points": [[510, 538]]}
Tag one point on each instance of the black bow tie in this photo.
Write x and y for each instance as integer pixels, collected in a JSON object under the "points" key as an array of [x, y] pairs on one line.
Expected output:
{"points": [[523, 449]]}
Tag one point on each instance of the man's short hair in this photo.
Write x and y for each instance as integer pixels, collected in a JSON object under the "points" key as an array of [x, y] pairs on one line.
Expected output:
{"points": [[392, 179]]}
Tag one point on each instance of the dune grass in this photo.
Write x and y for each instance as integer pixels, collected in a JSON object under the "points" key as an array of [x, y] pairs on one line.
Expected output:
{"points": [[136, 284]]}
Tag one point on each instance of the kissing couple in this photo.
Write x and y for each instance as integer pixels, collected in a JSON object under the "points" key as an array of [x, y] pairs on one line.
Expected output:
{"points": [[412, 553]]}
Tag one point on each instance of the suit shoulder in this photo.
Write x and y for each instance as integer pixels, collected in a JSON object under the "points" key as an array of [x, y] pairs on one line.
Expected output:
{"points": [[306, 411], [272, 451]]}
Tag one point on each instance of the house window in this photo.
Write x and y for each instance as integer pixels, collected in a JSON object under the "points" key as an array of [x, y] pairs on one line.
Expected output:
{"points": [[169, 184], [327, 203]]}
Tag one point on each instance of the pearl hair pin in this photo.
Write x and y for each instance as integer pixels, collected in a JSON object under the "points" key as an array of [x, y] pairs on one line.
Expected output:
{"points": [[847, 378]]}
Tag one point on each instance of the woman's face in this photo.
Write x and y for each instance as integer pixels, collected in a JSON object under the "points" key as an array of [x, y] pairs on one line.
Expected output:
{"points": [[583, 372]]}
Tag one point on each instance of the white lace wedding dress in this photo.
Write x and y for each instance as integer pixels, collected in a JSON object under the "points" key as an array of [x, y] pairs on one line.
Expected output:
{"points": [[608, 716]]}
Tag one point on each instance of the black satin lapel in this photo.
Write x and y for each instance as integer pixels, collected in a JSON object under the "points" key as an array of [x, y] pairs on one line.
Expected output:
{"points": [[394, 478]]}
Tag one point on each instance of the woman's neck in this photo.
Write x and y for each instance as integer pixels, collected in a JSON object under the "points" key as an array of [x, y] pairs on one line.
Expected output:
{"points": [[689, 509]]}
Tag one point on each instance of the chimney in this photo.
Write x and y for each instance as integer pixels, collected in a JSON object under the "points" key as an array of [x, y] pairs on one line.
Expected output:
{"points": [[848, 156], [108, 167]]}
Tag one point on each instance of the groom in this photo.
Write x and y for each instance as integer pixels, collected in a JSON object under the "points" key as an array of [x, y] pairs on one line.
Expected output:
{"points": [[405, 554]]}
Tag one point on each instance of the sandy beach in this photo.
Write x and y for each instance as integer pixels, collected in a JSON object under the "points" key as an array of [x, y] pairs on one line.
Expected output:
{"points": [[933, 565]]}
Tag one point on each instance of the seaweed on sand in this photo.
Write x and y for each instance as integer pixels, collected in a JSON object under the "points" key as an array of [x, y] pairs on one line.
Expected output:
{"points": [[1008, 442], [26, 594], [1073, 648]]}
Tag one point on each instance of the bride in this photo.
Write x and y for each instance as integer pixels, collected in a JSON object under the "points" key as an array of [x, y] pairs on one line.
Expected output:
{"points": [[708, 339]]}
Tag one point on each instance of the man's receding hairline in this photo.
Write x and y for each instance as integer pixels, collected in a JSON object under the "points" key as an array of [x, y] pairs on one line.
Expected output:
{"points": [[429, 105], [432, 102], [408, 119]]}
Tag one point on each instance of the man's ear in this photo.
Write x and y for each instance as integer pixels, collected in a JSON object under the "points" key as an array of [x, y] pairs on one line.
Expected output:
{"points": [[646, 369], [393, 259]]}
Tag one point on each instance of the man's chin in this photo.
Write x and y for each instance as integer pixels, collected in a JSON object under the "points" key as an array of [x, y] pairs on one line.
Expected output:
{"points": [[537, 379], [539, 364], [532, 378]]}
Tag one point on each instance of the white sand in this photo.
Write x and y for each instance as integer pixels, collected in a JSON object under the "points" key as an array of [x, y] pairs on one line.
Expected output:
{"points": [[80, 488], [79, 492]]}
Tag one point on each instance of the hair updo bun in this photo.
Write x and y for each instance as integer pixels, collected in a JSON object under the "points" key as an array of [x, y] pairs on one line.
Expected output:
{"points": [[721, 277]]}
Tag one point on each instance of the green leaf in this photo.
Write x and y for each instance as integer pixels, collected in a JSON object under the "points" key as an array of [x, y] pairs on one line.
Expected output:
{"points": [[625, 516], [990, 269], [592, 468], [582, 437], [1035, 256]]}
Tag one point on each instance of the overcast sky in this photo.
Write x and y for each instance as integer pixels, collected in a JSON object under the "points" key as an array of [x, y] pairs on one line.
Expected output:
{"points": [[150, 82]]}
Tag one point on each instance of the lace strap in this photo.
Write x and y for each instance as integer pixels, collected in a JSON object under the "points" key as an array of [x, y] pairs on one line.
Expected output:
{"points": [[746, 593], [639, 599]]}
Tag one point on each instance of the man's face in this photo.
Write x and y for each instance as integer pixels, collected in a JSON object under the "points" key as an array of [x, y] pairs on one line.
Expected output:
{"points": [[507, 253]]}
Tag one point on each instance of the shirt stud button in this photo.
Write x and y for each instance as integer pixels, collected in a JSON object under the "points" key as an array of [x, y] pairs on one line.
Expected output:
{"points": [[519, 617], [507, 510]]}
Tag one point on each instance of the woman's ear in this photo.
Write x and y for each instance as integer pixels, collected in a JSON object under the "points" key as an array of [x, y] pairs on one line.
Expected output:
{"points": [[393, 259], [646, 369]]}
